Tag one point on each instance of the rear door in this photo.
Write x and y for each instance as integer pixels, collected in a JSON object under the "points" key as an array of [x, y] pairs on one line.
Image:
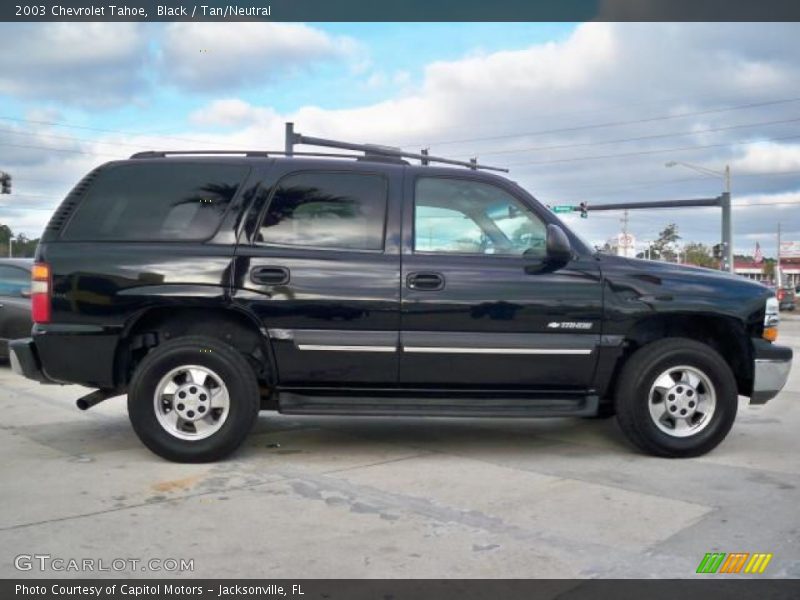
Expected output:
{"points": [[477, 309], [321, 273]]}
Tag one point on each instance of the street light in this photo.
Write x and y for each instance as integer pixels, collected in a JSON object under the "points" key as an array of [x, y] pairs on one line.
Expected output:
{"points": [[727, 217]]}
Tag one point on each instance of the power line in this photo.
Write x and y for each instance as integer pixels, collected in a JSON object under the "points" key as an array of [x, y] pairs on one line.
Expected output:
{"points": [[641, 138], [67, 150], [782, 202], [612, 123], [68, 138], [103, 130], [658, 151]]}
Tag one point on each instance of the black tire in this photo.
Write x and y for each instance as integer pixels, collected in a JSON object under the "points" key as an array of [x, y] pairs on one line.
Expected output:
{"points": [[232, 368], [639, 374]]}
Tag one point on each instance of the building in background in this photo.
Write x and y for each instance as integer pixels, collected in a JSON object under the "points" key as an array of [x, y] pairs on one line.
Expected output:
{"points": [[768, 271], [790, 263], [623, 244], [752, 270]]}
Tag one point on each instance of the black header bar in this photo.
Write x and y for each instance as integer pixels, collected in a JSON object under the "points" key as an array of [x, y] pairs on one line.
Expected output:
{"points": [[399, 10]]}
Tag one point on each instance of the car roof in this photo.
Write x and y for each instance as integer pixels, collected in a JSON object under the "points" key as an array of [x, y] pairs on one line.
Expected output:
{"points": [[342, 162], [25, 263]]}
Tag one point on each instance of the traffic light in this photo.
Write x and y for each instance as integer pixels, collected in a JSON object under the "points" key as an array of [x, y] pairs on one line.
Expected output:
{"points": [[5, 183], [717, 250], [584, 208]]}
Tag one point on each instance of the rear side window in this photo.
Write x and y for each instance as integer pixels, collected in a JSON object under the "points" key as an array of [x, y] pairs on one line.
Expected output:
{"points": [[343, 211], [156, 202]]}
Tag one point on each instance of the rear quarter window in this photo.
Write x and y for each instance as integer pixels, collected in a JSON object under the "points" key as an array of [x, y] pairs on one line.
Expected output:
{"points": [[155, 202]]}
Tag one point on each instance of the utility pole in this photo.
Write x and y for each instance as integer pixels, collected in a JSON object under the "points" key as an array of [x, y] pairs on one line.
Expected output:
{"points": [[778, 277], [727, 221], [724, 204], [625, 231]]}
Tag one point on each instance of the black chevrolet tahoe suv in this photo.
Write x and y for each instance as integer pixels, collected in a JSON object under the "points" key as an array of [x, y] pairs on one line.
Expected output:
{"points": [[209, 287]]}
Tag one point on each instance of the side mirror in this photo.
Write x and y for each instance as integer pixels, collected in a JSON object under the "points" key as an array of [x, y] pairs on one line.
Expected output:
{"points": [[25, 292], [559, 250]]}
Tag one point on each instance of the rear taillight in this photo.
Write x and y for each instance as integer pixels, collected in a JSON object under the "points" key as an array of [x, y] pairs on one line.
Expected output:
{"points": [[40, 293], [781, 294]]}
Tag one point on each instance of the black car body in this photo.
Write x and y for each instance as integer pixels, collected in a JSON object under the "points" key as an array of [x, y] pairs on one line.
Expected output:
{"points": [[15, 301], [367, 286]]}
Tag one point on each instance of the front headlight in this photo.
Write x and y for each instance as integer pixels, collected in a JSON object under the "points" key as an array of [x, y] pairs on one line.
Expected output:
{"points": [[772, 319]]}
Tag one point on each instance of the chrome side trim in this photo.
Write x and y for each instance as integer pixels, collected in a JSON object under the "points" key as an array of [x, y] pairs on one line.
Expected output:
{"points": [[281, 334], [452, 350], [342, 348]]}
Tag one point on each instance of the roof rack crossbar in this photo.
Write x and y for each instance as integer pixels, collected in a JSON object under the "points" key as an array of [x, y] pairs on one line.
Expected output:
{"points": [[293, 138]]}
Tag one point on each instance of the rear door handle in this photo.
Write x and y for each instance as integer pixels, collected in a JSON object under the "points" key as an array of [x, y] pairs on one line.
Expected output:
{"points": [[426, 281], [270, 275]]}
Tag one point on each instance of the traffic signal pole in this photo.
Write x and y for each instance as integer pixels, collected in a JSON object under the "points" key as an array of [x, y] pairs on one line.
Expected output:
{"points": [[723, 201], [727, 232]]}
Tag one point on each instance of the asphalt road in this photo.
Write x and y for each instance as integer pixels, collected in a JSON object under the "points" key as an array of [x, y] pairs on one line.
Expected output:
{"points": [[378, 497]]}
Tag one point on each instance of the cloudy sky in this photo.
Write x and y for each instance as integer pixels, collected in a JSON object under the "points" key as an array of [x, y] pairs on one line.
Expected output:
{"points": [[578, 112]]}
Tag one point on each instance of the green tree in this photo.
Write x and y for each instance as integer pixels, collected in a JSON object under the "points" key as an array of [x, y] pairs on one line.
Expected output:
{"points": [[700, 255], [22, 245], [664, 247], [769, 268]]}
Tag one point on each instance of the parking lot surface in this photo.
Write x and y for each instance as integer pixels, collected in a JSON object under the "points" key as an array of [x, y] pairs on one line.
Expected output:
{"points": [[340, 497]]}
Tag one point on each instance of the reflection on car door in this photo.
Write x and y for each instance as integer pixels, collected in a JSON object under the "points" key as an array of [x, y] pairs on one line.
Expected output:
{"points": [[470, 313], [322, 278]]}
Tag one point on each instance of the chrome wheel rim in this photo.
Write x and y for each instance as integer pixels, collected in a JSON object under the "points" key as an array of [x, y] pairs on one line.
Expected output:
{"points": [[191, 402], [682, 401]]}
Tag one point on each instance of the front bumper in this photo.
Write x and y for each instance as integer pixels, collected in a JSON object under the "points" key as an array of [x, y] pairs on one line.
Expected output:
{"points": [[25, 360], [772, 365]]}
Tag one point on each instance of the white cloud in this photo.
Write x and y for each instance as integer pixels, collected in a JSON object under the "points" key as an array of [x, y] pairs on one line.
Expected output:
{"points": [[230, 112], [768, 157], [86, 64], [604, 82], [222, 56]]}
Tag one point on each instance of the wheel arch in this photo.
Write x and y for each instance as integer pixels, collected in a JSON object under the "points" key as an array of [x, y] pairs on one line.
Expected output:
{"points": [[232, 325], [726, 335]]}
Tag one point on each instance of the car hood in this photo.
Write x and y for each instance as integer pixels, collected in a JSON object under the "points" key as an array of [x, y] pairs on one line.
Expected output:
{"points": [[680, 287]]}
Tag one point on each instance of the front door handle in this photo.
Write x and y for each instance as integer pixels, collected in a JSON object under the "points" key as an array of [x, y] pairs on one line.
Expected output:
{"points": [[426, 281], [270, 275]]}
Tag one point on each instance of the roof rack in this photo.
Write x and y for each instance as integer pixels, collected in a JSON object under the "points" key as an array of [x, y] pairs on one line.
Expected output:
{"points": [[370, 152], [293, 138], [249, 153]]}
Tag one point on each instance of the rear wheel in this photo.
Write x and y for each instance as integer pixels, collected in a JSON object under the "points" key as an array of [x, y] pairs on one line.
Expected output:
{"points": [[676, 398], [193, 399]]}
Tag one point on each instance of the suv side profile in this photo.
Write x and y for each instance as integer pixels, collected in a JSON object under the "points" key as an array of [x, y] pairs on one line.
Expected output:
{"points": [[207, 288]]}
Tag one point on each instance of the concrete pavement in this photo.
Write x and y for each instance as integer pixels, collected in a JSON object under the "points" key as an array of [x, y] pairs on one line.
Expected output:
{"points": [[381, 497]]}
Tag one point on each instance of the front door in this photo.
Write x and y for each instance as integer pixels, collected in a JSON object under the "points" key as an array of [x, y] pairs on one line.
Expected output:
{"points": [[477, 311], [321, 276]]}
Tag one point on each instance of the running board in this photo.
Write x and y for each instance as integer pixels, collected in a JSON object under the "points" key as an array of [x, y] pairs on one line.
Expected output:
{"points": [[292, 403]]}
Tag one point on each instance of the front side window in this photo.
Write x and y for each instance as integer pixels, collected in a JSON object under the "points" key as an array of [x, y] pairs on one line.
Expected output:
{"points": [[345, 211], [156, 201], [458, 216]]}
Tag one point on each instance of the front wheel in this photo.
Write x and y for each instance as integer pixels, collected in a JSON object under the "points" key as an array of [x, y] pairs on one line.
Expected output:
{"points": [[193, 399], [676, 398]]}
